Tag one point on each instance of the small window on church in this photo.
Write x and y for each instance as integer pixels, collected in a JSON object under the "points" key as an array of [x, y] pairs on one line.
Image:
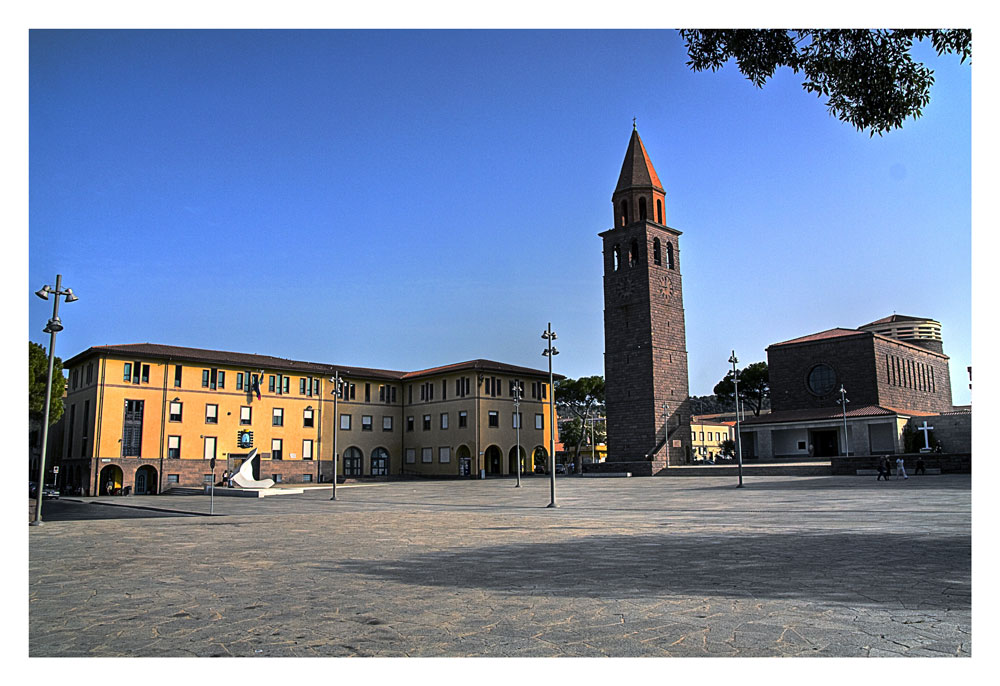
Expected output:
{"points": [[670, 255], [642, 208], [617, 257], [633, 253], [624, 213], [656, 251], [659, 211]]}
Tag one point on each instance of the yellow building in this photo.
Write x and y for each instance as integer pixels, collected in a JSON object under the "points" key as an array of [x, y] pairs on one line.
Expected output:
{"points": [[707, 437], [151, 417]]}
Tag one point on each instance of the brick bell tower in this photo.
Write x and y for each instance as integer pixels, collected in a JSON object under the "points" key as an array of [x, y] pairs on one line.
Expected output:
{"points": [[645, 350]]}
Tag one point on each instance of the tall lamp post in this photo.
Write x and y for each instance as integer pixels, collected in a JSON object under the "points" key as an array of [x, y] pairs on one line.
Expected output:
{"points": [[666, 433], [338, 389], [550, 352], [517, 424], [843, 406], [52, 328], [739, 444]]}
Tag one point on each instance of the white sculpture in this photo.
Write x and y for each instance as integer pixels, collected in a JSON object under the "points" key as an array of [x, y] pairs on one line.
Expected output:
{"points": [[244, 477]]}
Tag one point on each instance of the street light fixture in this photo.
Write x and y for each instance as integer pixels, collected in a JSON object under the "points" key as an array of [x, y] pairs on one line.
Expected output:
{"points": [[666, 433], [739, 444], [517, 423], [550, 352], [843, 406], [338, 390], [52, 328]]}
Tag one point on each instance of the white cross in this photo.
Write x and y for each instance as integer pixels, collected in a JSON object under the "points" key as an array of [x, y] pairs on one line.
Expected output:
{"points": [[927, 432]]}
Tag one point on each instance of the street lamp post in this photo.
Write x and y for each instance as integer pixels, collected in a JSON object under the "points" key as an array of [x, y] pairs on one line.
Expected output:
{"points": [[517, 423], [52, 328], [338, 389], [739, 443], [550, 352], [666, 433], [843, 406]]}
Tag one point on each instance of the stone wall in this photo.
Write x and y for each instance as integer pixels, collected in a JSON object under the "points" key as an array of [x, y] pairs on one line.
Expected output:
{"points": [[948, 463], [953, 430]]}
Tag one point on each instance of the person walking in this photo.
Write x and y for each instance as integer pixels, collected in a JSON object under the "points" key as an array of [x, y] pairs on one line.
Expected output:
{"points": [[920, 466], [900, 468], [883, 468]]}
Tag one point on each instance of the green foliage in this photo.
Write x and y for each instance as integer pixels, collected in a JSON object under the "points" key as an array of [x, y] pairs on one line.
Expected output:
{"points": [[38, 369], [580, 398], [729, 447], [869, 77], [754, 384]]}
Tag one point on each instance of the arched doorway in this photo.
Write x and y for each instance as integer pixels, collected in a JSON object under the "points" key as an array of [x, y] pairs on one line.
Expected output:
{"points": [[380, 462], [352, 462], [464, 460], [540, 460], [512, 461], [145, 480], [111, 479], [494, 460]]}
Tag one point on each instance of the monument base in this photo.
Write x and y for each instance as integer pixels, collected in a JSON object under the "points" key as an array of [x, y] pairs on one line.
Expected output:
{"points": [[253, 492], [636, 468]]}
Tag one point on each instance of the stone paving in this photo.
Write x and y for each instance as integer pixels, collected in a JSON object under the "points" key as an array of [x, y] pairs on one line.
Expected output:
{"points": [[796, 566]]}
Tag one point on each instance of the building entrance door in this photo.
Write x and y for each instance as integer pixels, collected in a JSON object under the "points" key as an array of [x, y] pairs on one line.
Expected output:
{"points": [[825, 443]]}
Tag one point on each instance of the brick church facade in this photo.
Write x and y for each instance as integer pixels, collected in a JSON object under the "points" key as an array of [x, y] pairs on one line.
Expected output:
{"points": [[645, 358], [891, 379]]}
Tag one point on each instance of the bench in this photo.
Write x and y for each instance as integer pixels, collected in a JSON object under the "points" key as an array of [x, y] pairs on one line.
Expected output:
{"points": [[611, 474], [892, 472]]}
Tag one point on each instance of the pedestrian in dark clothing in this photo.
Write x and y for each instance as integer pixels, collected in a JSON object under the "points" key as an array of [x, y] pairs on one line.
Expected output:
{"points": [[883, 468], [920, 466]]}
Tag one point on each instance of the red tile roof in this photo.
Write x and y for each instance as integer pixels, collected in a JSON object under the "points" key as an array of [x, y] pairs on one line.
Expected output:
{"points": [[254, 361], [823, 413], [823, 335]]}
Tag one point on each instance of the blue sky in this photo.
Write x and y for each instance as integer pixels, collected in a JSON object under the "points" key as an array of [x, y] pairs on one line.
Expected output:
{"points": [[404, 199]]}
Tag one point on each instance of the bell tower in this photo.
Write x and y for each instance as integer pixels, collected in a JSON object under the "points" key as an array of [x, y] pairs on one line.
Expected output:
{"points": [[645, 350]]}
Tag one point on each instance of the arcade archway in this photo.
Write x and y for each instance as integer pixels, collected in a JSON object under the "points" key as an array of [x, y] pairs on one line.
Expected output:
{"points": [[110, 481], [494, 460], [145, 480]]}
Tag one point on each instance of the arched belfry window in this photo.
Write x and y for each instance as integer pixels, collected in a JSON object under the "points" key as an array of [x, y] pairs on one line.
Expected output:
{"points": [[656, 251], [670, 255], [659, 211], [624, 212], [633, 253], [642, 209], [616, 256]]}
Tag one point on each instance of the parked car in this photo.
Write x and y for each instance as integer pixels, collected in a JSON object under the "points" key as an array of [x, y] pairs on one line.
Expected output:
{"points": [[48, 492], [560, 469]]}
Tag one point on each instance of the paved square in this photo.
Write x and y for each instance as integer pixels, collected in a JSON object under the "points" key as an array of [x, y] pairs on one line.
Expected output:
{"points": [[831, 566]]}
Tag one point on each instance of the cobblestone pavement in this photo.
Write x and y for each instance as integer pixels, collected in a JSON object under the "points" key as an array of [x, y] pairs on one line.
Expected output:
{"points": [[799, 566]]}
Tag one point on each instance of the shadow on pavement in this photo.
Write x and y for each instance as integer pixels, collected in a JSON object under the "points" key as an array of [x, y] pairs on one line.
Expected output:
{"points": [[877, 567], [68, 511]]}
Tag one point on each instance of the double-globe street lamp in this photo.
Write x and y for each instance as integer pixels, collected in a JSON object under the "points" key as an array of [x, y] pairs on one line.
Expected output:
{"points": [[550, 352], [843, 406], [52, 328], [736, 393], [517, 424], [338, 390]]}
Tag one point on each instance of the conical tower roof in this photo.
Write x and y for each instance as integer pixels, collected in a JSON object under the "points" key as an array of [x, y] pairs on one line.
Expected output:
{"points": [[637, 170]]}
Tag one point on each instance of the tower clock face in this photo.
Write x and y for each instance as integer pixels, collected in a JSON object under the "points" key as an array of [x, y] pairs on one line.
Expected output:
{"points": [[665, 289], [625, 287]]}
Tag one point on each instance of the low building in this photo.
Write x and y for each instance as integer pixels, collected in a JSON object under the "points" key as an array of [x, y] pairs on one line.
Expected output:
{"points": [[707, 437], [152, 417]]}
